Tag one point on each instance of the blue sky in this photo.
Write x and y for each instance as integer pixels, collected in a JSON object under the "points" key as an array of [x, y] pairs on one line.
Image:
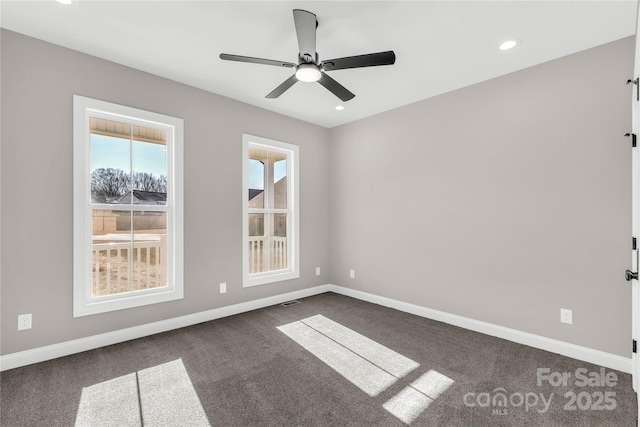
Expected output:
{"points": [[110, 152], [256, 173]]}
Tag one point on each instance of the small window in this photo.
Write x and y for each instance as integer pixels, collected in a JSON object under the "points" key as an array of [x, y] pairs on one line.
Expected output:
{"points": [[127, 207], [270, 211]]}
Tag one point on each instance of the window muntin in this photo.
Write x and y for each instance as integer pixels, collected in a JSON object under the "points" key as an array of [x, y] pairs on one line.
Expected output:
{"points": [[127, 206], [270, 232]]}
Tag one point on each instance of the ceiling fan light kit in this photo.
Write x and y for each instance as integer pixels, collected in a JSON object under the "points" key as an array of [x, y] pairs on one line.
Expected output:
{"points": [[309, 67], [308, 73]]}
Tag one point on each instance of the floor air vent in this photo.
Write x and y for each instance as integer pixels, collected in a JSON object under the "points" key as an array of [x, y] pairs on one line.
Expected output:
{"points": [[289, 303]]}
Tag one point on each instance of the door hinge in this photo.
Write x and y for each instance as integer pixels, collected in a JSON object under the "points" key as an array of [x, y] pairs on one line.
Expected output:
{"points": [[633, 138], [637, 83], [635, 346]]}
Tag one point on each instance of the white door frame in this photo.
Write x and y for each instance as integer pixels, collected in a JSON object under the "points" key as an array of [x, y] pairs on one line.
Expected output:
{"points": [[635, 303], [635, 185]]}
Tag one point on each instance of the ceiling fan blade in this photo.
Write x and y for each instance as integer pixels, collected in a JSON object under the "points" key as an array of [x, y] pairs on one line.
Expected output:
{"points": [[368, 60], [283, 87], [229, 57], [306, 31], [336, 88]]}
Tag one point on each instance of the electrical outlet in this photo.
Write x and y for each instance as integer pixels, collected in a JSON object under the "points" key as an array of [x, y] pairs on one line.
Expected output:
{"points": [[317, 271], [566, 316], [352, 274], [24, 321], [223, 287]]}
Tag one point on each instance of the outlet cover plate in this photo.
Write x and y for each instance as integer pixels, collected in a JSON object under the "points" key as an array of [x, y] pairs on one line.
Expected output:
{"points": [[566, 316], [24, 321]]}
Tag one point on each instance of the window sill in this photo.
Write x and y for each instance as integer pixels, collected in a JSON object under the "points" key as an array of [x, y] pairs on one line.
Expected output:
{"points": [[265, 278], [135, 299]]}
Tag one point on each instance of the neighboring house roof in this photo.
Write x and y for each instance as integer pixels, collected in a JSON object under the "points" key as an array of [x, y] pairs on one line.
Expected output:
{"points": [[150, 196], [254, 192], [144, 196], [256, 196]]}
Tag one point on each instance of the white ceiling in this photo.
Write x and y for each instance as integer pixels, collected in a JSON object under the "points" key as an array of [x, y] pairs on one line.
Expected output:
{"points": [[440, 45]]}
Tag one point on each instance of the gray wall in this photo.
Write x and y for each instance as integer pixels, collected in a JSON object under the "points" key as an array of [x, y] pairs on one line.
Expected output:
{"points": [[38, 82], [502, 202]]}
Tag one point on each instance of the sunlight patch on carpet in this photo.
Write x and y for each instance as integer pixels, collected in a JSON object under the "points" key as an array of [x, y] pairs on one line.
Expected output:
{"points": [[415, 398], [368, 365], [162, 395], [407, 405], [110, 403], [394, 363], [432, 384], [362, 373], [168, 398]]}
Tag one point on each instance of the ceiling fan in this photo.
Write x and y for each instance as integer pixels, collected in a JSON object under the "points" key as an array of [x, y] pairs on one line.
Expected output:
{"points": [[309, 67]]}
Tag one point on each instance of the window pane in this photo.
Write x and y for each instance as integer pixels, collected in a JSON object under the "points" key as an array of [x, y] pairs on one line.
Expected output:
{"points": [[111, 252], [278, 245], [256, 224], [256, 184], [268, 244], [110, 160], [149, 166], [256, 243], [280, 184], [149, 250], [121, 263], [280, 225]]}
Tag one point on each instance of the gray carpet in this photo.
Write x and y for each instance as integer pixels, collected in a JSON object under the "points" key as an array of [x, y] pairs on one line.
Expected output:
{"points": [[328, 361]]}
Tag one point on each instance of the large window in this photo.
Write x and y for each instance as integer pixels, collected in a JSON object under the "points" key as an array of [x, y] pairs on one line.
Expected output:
{"points": [[270, 211], [127, 207]]}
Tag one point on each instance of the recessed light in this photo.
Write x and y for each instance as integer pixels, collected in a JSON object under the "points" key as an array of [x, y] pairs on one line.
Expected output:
{"points": [[64, 1], [339, 107], [509, 44]]}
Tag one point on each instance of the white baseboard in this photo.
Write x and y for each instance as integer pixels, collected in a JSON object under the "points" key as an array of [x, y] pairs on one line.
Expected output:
{"points": [[27, 357], [40, 354], [585, 354]]}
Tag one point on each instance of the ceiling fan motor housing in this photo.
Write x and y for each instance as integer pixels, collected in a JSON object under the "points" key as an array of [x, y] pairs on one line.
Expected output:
{"points": [[307, 58]]}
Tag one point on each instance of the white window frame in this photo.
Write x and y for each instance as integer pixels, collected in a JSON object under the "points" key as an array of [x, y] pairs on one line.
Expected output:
{"points": [[293, 222], [84, 303]]}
